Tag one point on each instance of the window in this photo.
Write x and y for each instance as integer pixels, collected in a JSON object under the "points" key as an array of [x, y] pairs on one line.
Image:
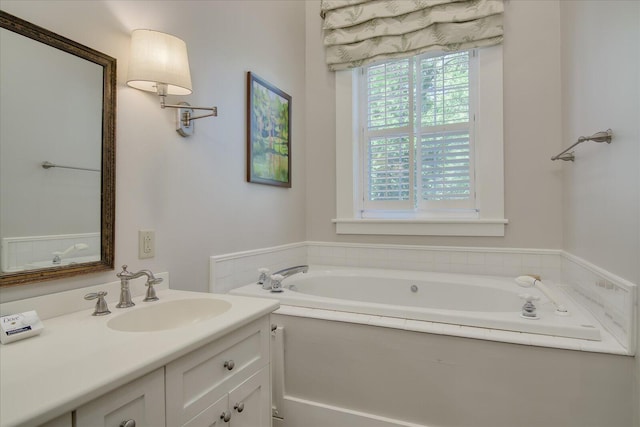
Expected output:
{"points": [[417, 140], [419, 146]]}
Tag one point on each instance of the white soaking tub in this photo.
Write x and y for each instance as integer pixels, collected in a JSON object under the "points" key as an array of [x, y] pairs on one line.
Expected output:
{"points": [[460, 299]]}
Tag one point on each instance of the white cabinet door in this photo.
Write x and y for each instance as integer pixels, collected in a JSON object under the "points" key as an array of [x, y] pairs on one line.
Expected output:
{"points": [[247, 405], [250, 402], [141, 400], [201, 378]]}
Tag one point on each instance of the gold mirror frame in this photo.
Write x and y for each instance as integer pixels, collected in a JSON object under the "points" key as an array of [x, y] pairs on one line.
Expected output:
{"points": [[108, 198]]}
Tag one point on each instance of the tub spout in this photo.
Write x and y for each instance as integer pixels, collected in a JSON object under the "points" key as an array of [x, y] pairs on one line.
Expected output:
{"points": [[286, 272]]}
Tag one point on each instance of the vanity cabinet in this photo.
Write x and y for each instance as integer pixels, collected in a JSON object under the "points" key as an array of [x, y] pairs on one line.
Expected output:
{"points": [[139, 403], [225, 380], [224, 383]]}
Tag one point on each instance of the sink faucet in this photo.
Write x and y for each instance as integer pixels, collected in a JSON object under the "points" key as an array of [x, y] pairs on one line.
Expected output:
{"points": [[125, 292]]}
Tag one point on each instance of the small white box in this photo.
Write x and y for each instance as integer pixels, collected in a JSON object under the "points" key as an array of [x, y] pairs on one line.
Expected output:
{"points": [[19, 326]]}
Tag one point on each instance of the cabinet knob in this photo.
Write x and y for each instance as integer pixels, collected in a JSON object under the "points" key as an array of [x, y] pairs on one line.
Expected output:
{"points": [[225, 417], [128, 423], [239, 407], [229, 364]]}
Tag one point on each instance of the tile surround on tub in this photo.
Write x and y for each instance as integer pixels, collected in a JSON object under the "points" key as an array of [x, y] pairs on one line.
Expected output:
{"points": [[490, 261], [232, 270], [610, 299], [607, 345]]}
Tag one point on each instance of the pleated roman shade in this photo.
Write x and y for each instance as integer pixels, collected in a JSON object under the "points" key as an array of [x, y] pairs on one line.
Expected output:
{"points": [[358, 32]]}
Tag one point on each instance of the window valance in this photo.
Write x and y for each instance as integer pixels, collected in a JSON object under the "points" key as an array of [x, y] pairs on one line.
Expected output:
{"points": [[358, 32]]}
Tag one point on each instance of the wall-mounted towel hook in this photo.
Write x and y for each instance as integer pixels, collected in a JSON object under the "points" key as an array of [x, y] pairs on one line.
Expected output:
{"points": [[604, 136]]}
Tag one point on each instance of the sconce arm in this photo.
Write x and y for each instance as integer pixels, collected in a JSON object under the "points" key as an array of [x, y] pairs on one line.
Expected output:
{"points": [[184, 117], [214, 110]]}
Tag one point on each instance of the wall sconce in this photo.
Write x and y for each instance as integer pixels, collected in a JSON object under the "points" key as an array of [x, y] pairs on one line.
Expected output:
{"points": [[159, 63]]}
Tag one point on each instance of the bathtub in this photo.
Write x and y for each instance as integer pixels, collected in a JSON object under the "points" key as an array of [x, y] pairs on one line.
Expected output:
{"points": [[460, 299]]}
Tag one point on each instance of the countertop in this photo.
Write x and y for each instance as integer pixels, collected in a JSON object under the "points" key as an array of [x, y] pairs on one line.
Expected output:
{"points": [[77, 357]]}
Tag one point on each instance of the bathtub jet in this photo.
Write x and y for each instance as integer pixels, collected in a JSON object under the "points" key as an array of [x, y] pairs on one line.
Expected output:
{"points": [[531, 281]]}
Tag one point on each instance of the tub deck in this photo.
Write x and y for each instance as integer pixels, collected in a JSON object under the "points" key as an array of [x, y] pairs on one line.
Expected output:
{"points": [[455, 299]]}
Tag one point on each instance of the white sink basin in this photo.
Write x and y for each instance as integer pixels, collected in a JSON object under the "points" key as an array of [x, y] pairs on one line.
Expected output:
{"points": [[160, 316]]}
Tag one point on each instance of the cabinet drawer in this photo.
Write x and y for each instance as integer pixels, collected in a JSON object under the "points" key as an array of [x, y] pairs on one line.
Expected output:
{"points": [[199, 379], [247, 405], [210, 417], [250, 402]]}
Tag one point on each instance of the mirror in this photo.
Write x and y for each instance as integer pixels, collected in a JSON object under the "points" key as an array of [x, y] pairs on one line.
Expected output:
{"points": [[57, 155]]}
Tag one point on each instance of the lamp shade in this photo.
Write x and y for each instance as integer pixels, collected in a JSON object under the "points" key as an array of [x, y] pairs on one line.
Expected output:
{"points": [[159, 58]]}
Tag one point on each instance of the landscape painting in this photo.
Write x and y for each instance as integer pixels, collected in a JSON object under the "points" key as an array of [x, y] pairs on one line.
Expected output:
{"points": [[268, 133]]}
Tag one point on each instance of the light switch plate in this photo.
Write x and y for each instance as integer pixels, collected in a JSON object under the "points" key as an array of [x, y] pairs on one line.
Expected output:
{"points": [[146, 244]]}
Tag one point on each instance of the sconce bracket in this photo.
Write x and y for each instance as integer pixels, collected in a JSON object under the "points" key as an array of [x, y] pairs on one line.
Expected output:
{"points": [[184, 122]]}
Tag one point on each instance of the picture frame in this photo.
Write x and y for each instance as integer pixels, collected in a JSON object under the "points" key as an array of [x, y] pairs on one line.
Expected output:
{"points": [[268, 133]]}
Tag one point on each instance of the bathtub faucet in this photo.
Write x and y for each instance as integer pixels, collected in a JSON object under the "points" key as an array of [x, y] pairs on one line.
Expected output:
{"points": [[286, 272], [283, 274]]}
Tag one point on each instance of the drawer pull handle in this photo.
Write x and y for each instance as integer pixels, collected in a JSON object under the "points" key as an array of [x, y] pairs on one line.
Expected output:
{"points": [[239, 407], [225, 417], [128, 423], [229, 364]]}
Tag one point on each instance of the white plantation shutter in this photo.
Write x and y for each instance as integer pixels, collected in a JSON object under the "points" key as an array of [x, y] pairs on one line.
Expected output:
{"points": [[445, 132], [446, 178], [417, 134], [389, 145], [388, 87], [389, 171]]}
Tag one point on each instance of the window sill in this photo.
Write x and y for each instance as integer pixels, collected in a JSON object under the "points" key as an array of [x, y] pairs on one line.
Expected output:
{"points": [[422, 227]]}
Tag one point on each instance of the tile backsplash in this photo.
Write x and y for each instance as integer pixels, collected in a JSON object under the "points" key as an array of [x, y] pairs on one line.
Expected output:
{"points": [[237, 269], [611, 299], [487, 261]]}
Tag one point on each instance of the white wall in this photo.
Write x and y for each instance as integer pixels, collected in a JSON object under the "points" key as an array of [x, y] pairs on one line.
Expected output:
{"points": [[532, 134], [192, 191], [601, 89]]}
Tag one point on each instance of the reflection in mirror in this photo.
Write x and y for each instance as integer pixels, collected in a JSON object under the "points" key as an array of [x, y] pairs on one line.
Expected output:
{"points": [[57, 155]]}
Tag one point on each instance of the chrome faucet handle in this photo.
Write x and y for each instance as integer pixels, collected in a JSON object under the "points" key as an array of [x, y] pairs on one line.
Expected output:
{"points": [[276, 283], [264, 275], [101, 305], [151, 292], [124, 273]]}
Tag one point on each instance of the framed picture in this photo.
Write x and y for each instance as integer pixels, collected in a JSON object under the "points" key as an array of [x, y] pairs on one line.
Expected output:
{"points": [[268, 133]]}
